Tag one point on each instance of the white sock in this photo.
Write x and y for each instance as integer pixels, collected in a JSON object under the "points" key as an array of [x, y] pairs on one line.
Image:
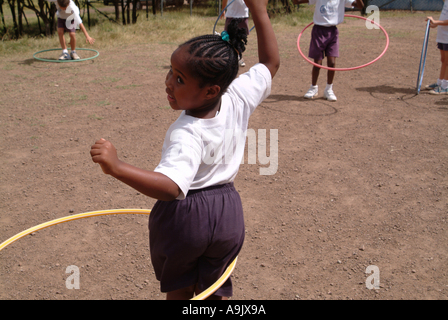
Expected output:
{"points": [[439, 82], [329, 87], [444, 84], [64, 51]]}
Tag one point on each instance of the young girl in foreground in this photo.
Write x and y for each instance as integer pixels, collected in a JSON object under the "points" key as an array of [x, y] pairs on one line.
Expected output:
{"points": [[197, 225]]}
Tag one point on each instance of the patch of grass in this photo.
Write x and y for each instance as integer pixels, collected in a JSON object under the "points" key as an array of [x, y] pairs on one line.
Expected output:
{"points": [[95, 117], [106, 79], [172, 28], [103, 103], [129, 86]]}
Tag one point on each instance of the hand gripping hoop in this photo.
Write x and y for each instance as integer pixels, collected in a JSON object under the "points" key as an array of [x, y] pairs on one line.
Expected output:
{"points": [[352, 68]]}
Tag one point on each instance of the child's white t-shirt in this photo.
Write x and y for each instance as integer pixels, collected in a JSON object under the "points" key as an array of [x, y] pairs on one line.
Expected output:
{"points": [[442, 31], [330, 12], [198, 153], [237, 9], [72, 12]]}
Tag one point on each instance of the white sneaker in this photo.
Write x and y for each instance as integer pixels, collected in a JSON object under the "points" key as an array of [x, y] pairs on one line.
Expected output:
{"points": [[65, 56], [439, 90], [312, 92], [74, 55], [432, 86], [241, 63], [329, 95]]}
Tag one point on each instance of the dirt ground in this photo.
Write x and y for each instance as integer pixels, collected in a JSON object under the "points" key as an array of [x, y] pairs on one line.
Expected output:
{"points": [[362, 181]]}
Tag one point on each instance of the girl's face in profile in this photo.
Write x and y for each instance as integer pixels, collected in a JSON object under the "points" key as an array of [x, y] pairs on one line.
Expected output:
{"points": [[182, 88]]}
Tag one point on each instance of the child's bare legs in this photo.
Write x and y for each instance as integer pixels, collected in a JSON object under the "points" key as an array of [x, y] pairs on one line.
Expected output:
{"points": [[188, 293], [315, 72], [313, 90], [62, 39], [441, 87], [328, 93], [72, 40], [444, 67], [331, 63], [64, 55]]}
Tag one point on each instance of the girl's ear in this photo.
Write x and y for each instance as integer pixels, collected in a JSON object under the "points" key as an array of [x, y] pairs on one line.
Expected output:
{"points": [[212, 92]]}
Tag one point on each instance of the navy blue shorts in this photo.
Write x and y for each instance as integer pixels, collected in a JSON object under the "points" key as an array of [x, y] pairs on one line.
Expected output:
{"points": [[62, 25], [193, 241], [442, 46]]}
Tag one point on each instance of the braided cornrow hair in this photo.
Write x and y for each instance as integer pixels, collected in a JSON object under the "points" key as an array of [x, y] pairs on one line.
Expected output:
{"points": [[215, 61]]}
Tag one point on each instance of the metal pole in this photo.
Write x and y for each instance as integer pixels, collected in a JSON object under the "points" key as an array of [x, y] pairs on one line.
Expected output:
{"points": [[421, 69]]}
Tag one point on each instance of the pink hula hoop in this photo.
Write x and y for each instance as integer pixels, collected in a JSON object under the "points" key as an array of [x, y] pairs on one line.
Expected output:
{"points": [[345, 69]]}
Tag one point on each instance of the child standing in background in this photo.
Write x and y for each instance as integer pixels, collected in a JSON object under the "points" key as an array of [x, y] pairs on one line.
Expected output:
{"points": [[197, 226], [237, 10], [68, 20], [441, 86], [325, 40]]}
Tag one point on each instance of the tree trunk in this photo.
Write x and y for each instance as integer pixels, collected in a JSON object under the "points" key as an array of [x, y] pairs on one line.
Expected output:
{"points": [[117, 10], [134, 11], [12, 6], [123, 17], [19, 17], [3, 17]]}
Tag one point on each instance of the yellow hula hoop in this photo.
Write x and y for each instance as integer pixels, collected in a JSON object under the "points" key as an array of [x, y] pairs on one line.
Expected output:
{"points": [[203, 295]]}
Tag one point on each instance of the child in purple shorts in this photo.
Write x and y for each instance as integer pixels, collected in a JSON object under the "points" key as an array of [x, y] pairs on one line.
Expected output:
{"points": [[68, 21], [324, 40], [441, 86], [197, 226]]}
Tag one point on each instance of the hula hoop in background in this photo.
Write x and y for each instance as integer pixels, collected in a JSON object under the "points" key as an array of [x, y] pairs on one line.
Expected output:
{"points": [[203, 295], [55, 60], [421, 67], [352, 68], [214, 27]]}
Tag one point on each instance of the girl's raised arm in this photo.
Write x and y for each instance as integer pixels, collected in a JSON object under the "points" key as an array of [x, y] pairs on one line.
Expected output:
{"points": [[267, 42]]}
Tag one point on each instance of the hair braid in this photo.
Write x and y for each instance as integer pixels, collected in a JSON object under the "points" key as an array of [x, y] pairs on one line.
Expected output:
{"points": [[215, 61]]}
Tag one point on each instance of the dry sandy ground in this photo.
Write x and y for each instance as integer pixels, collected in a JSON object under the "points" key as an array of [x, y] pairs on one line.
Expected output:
{"points": [[360, 182]]}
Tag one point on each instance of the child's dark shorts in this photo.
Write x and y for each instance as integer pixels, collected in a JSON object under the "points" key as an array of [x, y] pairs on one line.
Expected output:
{"points": [[324, 42], [61, 24], [442, 46], [193, 241]]}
